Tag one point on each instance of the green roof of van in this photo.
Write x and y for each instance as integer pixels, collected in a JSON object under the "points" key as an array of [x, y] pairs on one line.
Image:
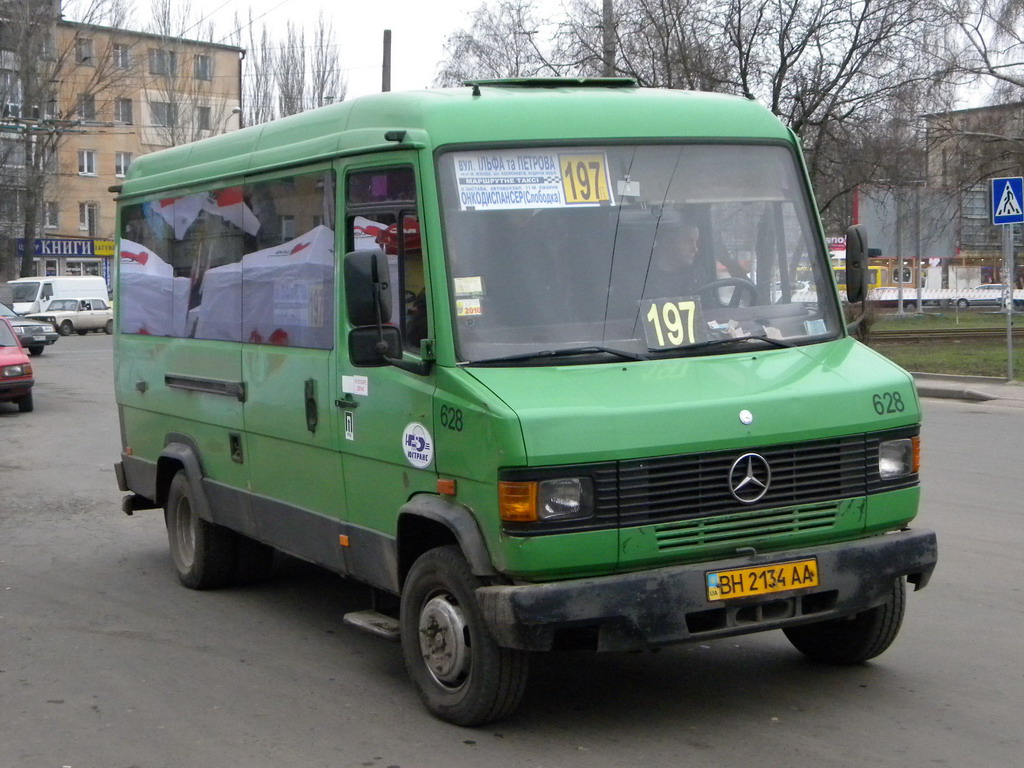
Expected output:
{"points": [[482, 112]]}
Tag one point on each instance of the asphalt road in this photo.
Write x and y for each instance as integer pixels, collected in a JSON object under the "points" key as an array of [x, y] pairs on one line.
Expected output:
{"points": [[106, 662]]}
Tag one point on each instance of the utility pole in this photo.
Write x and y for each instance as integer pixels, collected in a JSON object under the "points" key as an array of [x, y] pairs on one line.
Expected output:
{"points": [[608, 33], [385, 80]]}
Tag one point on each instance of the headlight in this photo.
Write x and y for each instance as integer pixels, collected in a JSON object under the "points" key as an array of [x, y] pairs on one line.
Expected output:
{"points": [[897, 458], [563, 498], [15, 371], [19, 329]]}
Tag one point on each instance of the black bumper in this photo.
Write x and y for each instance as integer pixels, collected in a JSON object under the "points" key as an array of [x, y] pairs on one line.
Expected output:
{"points": [[647, 609], [12, 390]]}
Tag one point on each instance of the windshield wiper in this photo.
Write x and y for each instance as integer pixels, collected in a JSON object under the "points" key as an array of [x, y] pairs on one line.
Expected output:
{"points": [[733, 339], [567, 352]]}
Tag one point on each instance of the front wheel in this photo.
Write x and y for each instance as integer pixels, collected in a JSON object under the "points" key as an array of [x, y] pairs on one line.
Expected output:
{"points": [[109, 327], [962, 303], [65, 328], [204, 554], [462, 675], [35, 351], [853, 639], [25, 404]]}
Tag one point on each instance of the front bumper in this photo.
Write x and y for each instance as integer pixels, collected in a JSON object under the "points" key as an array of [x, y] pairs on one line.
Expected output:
{"points": [[647, 609], [14, 389]]}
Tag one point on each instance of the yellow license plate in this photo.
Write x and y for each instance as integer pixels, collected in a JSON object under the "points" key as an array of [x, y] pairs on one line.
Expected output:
{"points": [[762, 579]]}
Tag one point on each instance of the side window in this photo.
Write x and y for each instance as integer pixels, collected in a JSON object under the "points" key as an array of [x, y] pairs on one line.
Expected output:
{"points": [[382, 213], [288, 275], [47, 291], [217, 265]]}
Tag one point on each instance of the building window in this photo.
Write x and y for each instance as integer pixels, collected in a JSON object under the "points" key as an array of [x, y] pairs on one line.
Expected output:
{"points": [[51, 218], [163, 62], [83, 50], [203, 118], [287, 228], [10, 93], [204, 67], [121, 56], [87, 107], [121, 162], [87, 162], [88, 217], [163, 114], [123, 110]]}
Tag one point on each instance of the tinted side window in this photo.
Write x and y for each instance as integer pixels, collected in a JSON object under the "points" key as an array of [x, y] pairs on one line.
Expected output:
{"points": [[217, 265]]}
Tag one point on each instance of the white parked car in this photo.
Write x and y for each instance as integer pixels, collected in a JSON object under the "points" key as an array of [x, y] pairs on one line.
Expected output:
{"points": [[78, 315]]}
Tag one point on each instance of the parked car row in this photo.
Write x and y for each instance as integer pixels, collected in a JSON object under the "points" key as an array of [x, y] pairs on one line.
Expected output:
{"points": [[15, 369], [78, 316], [34, 334]]}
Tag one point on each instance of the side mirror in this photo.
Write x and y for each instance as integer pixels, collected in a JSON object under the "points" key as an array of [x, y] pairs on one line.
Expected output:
{"points": [[856, 264], [365, 346], [366, 288]]}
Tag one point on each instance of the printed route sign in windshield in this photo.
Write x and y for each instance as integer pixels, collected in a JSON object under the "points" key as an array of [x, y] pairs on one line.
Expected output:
{"points": [[491, 181]]}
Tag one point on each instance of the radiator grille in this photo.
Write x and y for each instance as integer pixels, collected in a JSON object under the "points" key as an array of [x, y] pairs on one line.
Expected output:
{"points": [[760, 524]]}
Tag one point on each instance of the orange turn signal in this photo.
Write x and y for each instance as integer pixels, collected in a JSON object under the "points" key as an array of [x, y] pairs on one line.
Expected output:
{"points": [[517, 502], [916, 442]]}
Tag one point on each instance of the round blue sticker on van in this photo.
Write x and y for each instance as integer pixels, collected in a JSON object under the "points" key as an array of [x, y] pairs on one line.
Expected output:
{"points": [[418, 445]]}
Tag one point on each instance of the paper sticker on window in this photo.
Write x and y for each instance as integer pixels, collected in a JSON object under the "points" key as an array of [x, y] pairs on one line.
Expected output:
{"points": [[468, 307], [469, 286], [531, 178]]}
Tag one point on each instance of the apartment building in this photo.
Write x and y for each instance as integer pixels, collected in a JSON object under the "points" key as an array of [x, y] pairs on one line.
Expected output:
{"points": [[118, 94]]}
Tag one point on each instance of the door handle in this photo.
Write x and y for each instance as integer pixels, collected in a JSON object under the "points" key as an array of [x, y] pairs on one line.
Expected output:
{"points": [[312, 411]]}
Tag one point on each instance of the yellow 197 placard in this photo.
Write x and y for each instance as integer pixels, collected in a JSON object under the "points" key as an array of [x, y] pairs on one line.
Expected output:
{"points": [[670, 322], [584, 179]]}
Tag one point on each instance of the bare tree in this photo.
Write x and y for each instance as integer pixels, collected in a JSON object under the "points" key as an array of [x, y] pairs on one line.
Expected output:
{"points": [[184, 105], [291, 73], [326, 82], [50, 77], [501, 42]]}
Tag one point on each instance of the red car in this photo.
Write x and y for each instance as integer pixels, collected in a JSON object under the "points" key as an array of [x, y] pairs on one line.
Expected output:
{"points": [[15, 370]]}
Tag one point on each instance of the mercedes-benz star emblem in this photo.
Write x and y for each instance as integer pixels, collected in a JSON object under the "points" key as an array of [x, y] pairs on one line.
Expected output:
{"points": [[750, 477]]}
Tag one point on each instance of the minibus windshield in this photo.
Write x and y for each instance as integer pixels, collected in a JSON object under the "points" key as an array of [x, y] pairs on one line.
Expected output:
{"points": [[600, 253]]}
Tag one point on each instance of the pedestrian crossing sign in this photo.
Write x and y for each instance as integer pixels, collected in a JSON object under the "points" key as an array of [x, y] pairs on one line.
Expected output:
{"points": [[1008, 200]]}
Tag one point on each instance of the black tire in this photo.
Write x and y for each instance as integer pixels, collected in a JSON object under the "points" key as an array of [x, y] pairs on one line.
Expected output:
{"points": [[109, 327], [962, 303], [81, 332], [25, 404], [35, 351], [66, 328], [462, 675], [854, 639], [204, 554]]}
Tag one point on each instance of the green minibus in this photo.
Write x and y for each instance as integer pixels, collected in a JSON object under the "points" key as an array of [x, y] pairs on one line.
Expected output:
{"points": [[544, 363]]}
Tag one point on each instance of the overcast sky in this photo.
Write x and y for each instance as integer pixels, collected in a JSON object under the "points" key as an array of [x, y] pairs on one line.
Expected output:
{"points": [[418, 31]]}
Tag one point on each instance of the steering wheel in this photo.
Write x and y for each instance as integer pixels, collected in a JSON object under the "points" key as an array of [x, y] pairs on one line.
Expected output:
{"points": [[740, 285]]}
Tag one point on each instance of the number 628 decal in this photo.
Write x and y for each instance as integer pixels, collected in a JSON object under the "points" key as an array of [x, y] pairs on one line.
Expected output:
{"points": [[888, 402]]}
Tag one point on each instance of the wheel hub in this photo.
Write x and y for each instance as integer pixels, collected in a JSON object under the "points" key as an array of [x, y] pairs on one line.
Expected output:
{"points": [[443, 641]]}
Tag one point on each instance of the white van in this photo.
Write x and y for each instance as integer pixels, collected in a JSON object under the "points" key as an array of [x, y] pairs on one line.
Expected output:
{"points": [[34, 294]]}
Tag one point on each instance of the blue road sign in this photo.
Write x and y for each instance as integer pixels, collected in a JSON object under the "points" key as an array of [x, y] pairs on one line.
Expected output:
{"points": [[1008, 200]]}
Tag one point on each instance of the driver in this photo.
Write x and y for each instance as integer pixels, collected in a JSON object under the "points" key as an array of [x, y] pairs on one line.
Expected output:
{"points": [[678, 267]]}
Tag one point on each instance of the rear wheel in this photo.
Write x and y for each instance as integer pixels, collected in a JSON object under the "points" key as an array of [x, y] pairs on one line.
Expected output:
{"points": [[25, 404], [463, 676], [204, 554], [853, 639]]}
